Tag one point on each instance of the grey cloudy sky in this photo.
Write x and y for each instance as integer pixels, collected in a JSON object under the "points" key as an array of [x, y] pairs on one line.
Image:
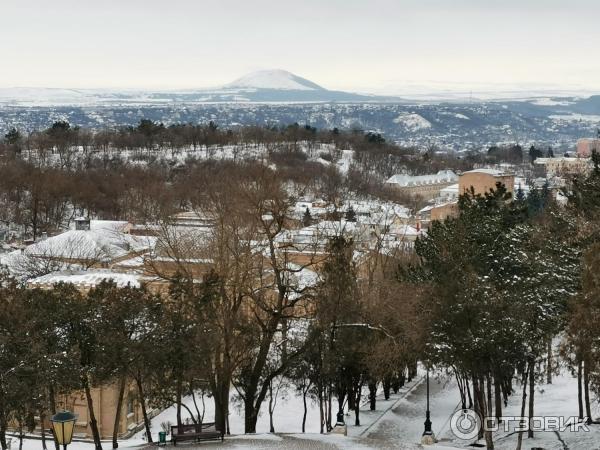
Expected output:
{"points": [[341, 44]]}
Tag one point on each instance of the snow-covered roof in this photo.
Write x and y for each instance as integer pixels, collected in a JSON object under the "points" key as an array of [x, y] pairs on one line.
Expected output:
{"points": [[404, 180], [488, 171], [562, 159], [114, 225], [88, 278], [453, 188], [404, 230], [436, 205], [318, 233], [102, 243]]}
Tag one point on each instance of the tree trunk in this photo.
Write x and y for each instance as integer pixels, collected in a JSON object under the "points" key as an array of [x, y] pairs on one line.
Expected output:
{"points": [[250, 415], [586, 391], [357, 393], [505, 393], [198, 415], [468, 392], [523, 403], [549, 363], [3, 435], [329, 408], [42, 429], [122, 383], [497, 399], [304, 391], [477, 404], [271, 427], [221, 399], [480, 394], [321, 418], [142, 399], [178, 394], [531, 396], [396, 383], [387, 386], [52, 397], [93, 421], [461, 391], [372, 396], [351, 397], [489, 395], [579, 389]]}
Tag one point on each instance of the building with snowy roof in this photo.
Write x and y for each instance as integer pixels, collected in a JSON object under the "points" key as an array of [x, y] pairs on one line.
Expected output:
{"points": [[450, 192], [437, 211], [562, 166], [425, 186], [481, 181], [103, 243]]}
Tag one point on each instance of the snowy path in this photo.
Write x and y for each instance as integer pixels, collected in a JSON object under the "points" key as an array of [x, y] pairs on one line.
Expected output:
{"points": [[404, 423]]}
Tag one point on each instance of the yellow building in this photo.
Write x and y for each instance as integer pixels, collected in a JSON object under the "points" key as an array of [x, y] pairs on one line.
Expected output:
{"points": [[484, 180]]}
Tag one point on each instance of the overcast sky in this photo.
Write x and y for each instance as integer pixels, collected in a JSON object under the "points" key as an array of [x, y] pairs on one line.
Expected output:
{"points": [[368, 45]]}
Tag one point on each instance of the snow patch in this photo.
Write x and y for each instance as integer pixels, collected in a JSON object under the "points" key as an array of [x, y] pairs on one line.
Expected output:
{"points": [[412, 122]]}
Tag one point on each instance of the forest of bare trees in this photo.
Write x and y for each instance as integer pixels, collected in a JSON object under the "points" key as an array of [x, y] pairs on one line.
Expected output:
{"points": [[134, 173]]}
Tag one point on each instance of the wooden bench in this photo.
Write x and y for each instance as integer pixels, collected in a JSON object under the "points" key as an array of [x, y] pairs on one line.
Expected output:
{"points": [[195, 432]]}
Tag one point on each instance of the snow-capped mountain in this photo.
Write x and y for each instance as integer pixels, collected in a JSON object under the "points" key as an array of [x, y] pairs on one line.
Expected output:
{"points": [[274, 79]]}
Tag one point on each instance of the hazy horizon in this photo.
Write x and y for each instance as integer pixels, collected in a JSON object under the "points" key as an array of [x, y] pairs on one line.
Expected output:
{"points": [[378, 46]]}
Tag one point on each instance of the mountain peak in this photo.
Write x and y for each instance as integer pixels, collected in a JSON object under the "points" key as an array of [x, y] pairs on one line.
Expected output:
{"points": [[274, 79]]}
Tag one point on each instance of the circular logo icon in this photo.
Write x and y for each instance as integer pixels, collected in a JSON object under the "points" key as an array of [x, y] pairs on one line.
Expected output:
{"points": [[465, 424]]}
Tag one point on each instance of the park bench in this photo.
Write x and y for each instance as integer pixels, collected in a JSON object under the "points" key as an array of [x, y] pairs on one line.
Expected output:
{"points": [[195, 432]]}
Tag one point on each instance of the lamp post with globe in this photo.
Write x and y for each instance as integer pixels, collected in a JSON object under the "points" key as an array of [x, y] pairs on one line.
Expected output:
{"points": [[63, 424]]}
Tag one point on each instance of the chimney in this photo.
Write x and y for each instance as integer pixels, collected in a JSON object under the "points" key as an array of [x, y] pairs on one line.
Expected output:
{"points": [[82, 223]]}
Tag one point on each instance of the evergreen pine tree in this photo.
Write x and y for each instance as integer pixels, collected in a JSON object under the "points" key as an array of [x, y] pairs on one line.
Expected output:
{"points": [[13, 137], [307, 218], [351, 214]]}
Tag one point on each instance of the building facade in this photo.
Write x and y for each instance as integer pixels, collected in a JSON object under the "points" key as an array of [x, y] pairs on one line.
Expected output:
{"points": [[482, 181]]}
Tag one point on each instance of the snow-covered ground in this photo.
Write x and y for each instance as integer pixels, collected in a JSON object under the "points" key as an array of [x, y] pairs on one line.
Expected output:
{"points": [[556, 399], [395, 424]]}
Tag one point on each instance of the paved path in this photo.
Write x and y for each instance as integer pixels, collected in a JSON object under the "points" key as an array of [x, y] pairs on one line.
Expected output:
{"points": [[403, 425]]}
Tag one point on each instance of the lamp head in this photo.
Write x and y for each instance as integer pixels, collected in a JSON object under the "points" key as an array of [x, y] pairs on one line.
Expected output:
{"points": [[63, 424]]}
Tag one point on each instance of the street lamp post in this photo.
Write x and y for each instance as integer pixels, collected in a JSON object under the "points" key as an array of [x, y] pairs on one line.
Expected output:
{"points": [[63, 424], [428, 437]]}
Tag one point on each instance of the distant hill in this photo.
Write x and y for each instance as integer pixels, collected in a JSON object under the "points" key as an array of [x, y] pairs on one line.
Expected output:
{"points": [[265, 86], [274, 79]]}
